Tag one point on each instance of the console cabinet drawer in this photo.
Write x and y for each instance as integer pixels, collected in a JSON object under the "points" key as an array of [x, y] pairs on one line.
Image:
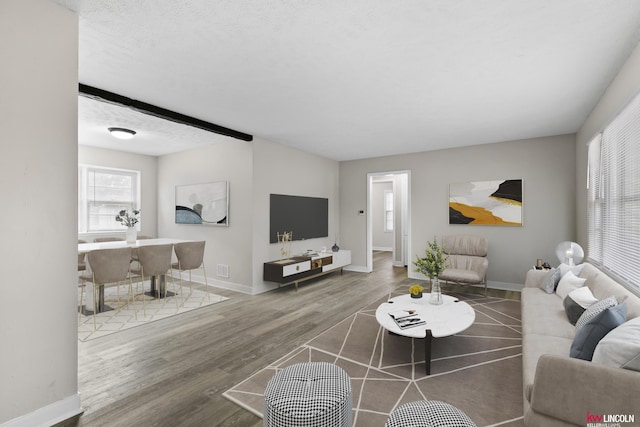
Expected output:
{"points": [[299, 267]]}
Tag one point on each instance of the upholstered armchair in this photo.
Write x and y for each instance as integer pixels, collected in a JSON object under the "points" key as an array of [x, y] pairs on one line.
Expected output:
{"points": [[467, 263]]}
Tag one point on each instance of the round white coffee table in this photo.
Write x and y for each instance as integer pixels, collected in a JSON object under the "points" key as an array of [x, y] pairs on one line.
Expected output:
{"points": [[449, 318]]}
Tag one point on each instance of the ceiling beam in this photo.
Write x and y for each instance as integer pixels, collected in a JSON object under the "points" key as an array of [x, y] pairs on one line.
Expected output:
{"points": [[163, 113]]}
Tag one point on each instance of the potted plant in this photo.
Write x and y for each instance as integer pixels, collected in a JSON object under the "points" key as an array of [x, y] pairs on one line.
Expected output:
{"points": [[416, 291], [431, 265], [129, 220]]}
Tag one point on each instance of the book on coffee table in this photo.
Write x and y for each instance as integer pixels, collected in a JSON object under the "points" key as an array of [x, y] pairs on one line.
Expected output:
{"points": [[407, 318]]}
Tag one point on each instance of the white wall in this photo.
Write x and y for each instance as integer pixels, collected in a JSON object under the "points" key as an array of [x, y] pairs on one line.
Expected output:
{"points": [[546, 165], [38, 308], [147, 165], [283, 170], [254, 170], [621, 90], [231, 246]]}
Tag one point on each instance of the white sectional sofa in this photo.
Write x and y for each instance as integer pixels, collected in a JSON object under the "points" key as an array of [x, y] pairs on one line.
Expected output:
{"points": [[560, 390]]}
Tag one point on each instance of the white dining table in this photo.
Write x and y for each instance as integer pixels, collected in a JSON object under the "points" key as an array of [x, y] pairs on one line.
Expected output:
{"points": [[85, 248]]}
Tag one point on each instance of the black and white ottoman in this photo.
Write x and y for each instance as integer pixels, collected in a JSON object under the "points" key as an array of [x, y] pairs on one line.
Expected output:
{"points": [[428, 413], [313, 394]]}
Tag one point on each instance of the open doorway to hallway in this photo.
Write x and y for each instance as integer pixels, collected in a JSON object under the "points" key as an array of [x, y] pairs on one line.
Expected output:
{"points": [[388, 216]]}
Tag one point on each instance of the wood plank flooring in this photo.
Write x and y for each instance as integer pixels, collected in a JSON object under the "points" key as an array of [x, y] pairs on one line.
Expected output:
{"points": [[173, 372]]}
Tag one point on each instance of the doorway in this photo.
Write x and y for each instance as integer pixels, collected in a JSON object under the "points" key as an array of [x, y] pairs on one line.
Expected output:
{"points": [[389, 216]]}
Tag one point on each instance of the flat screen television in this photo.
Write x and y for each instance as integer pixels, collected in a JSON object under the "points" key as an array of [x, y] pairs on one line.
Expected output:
{"points": [[305, 217]]}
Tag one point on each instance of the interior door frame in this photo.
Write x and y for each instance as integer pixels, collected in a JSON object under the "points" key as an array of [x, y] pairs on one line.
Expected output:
{"points": [[406, 220]]}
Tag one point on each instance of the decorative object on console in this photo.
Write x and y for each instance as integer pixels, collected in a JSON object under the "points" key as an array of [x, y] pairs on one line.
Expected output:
{"points": [[486, 203], [569, 253], [416, 291], [203, 204], [285, 243]]}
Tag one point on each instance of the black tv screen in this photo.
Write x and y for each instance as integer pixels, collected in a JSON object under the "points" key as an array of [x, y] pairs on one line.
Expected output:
{"points": [[304, 217]]}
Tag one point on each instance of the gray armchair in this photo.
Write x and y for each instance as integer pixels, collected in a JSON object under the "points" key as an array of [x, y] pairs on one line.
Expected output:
{"points": [[467, 263]]}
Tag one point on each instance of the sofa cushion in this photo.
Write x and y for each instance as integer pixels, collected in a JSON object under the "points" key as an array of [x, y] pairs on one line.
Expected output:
{"points": [[594, 310], [573, 309], [590, 334], [604, 286], [568, 283], [577, 302], [544, 314], [550, 282], [620, 348], [575, 269]]}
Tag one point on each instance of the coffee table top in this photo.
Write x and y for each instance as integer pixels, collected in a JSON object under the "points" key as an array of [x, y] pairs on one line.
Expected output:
{"points": [[449, 318]]}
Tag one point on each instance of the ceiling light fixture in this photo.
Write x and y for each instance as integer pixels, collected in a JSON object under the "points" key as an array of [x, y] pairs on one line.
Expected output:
{"points": [[122, 133]]}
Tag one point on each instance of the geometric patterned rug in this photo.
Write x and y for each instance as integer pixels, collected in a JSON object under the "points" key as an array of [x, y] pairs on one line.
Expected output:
{"points": [[125, 316], [478, 370]]}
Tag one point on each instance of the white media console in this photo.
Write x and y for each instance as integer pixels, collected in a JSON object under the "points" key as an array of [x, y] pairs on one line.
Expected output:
{"points": [[297, 269]]}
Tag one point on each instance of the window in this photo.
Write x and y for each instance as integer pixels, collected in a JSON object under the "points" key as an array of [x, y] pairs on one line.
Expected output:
{"points": [[614, 196], [388, 210], [102, 193]]}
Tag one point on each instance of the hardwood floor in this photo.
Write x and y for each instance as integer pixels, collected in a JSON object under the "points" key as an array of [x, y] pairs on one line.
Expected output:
{"points": [[173, 372]]}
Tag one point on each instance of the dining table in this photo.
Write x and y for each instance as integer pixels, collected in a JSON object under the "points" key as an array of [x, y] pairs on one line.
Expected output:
{"points": [[158, 286]]}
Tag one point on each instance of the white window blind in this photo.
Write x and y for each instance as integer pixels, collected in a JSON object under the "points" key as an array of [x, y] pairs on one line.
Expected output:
{"points": [[102, 193], [614, 196]]}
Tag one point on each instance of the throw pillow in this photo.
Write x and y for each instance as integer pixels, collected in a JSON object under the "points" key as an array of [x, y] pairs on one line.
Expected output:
{"points": [[575, 269], [577, 302], [550, 282], [594, 310], [572, 309], [568, 283], [588, 337], [584, 297], [620, 348]]}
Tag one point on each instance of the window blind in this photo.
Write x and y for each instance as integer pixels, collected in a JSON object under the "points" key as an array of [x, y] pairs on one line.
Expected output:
{"points": [[614, 196]]}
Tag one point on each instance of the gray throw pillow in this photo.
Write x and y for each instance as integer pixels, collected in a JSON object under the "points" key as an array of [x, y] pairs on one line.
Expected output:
{"points": [[594, 310], [588, 337], [573, 309], [550, 282]]}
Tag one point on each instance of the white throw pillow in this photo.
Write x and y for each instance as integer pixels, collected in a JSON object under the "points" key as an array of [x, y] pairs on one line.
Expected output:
{"points": [[620, 348], [583, 296], [568, 283], [575, 269]]}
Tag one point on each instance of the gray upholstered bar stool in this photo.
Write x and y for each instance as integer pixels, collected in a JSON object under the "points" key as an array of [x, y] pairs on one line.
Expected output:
{"points": [[313, 394], [428, 413]]}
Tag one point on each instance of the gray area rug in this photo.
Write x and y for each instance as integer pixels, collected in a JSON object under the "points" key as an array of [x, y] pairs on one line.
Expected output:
{"points": [[479, 370]]}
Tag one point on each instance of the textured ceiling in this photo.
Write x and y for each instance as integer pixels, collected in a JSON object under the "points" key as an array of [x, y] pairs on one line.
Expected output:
{"points": [[350, 79]]}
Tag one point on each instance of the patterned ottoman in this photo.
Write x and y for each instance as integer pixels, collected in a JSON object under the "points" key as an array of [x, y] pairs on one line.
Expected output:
{"points": [[314, 394], [428, 413]]}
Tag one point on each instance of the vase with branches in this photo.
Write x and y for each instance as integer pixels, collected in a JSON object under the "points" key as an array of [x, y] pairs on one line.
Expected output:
{"points": [[431, 265]]}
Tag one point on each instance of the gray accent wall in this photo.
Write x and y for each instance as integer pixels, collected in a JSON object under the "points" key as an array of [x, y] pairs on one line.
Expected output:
{"points": [[546, 166]]}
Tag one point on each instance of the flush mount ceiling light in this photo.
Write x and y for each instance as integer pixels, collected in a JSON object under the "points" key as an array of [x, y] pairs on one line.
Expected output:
{"points": [[122, 133]]}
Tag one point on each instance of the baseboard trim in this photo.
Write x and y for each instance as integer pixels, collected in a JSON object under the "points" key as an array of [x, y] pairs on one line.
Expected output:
{"points": [[230, 286], [357, 268], [49, 415]]}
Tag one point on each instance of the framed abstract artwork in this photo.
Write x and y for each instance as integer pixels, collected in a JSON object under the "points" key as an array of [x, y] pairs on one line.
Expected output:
{"points": [[486, 203], [206, 204]]}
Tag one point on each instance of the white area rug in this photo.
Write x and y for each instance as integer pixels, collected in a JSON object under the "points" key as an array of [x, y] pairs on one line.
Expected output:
{"points": [[125, 316]]}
